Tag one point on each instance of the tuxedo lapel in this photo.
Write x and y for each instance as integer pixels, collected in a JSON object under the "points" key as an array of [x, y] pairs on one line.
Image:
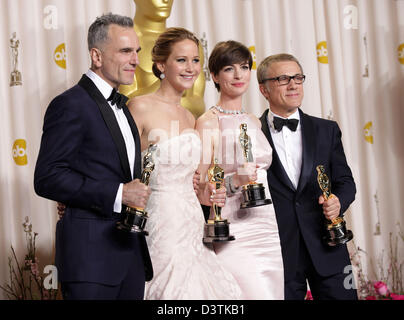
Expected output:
{"points": [[276, 166], [309, 141], [111, 122]]}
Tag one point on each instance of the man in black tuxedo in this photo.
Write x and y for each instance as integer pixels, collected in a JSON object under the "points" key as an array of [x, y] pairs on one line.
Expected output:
{"points": [[90, 160], [301, 142]]}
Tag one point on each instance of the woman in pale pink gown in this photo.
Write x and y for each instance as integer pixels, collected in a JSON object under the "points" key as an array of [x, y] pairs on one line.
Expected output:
{"points": [[254, 257]]}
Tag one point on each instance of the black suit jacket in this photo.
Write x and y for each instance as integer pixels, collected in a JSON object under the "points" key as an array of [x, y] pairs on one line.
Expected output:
{"points": [[81, 162], [297, 210]]}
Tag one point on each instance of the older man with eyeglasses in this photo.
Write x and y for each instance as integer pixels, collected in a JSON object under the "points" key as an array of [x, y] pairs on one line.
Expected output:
{"points": [[301, 142]]}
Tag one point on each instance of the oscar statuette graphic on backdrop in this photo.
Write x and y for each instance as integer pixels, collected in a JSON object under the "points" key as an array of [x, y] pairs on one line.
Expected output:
{"points": [[15, 77]]}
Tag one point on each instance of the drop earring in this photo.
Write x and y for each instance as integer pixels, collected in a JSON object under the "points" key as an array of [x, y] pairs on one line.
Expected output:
{"points": [[162, 76]]}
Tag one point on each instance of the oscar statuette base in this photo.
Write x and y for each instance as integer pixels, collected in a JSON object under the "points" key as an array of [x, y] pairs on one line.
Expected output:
{"points": [[254, 196], [336, 233], [15, 79], [134, 221], [217, 231]]}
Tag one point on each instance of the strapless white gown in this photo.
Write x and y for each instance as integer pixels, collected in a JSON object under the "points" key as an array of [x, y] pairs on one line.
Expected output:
{"points": [[184, 268]]}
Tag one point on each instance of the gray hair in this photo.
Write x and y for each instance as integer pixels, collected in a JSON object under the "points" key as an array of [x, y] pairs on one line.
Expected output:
{"points": [[268, 61], [98, 31]]}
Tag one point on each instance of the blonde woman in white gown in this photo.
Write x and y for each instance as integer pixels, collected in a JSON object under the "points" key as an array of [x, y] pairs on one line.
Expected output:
{"points": [[183, 267]]}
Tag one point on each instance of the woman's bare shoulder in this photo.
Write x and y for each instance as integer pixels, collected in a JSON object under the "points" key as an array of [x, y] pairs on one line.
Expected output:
{"points": [[207, 120], [255, 120], [141, 103]]}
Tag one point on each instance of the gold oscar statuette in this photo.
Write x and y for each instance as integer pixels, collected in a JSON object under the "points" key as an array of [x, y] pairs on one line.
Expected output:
{"points": [[134, 219], [335, 230], [216, 230], [253, 193]]}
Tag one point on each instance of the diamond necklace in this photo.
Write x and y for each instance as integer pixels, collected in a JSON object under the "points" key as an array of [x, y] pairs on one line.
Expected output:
{"points": [[220, 109]]}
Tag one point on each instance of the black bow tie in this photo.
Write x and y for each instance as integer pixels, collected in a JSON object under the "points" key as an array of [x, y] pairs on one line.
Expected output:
{"points": [[290, 123], [117, 98]]}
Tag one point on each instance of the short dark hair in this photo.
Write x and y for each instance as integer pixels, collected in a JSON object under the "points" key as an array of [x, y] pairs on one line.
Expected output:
{"points": [[98, 31], [226, 53]]}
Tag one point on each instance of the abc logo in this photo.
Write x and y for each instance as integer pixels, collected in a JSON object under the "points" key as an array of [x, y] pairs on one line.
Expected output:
{"points": [[368, 132], [254, 56], [401, 53], [20, 152], [60, 56], [322, 52]]}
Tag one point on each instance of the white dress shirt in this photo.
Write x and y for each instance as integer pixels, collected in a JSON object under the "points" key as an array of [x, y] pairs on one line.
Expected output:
{"points": [[288, 145], [106, 90]]}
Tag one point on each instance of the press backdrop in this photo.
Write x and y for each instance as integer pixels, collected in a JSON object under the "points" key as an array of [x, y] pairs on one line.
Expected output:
{"points": [[352, 52]]}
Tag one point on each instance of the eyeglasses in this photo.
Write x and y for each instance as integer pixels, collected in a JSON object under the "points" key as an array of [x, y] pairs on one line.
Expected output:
{"points": [[283, 80]]}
